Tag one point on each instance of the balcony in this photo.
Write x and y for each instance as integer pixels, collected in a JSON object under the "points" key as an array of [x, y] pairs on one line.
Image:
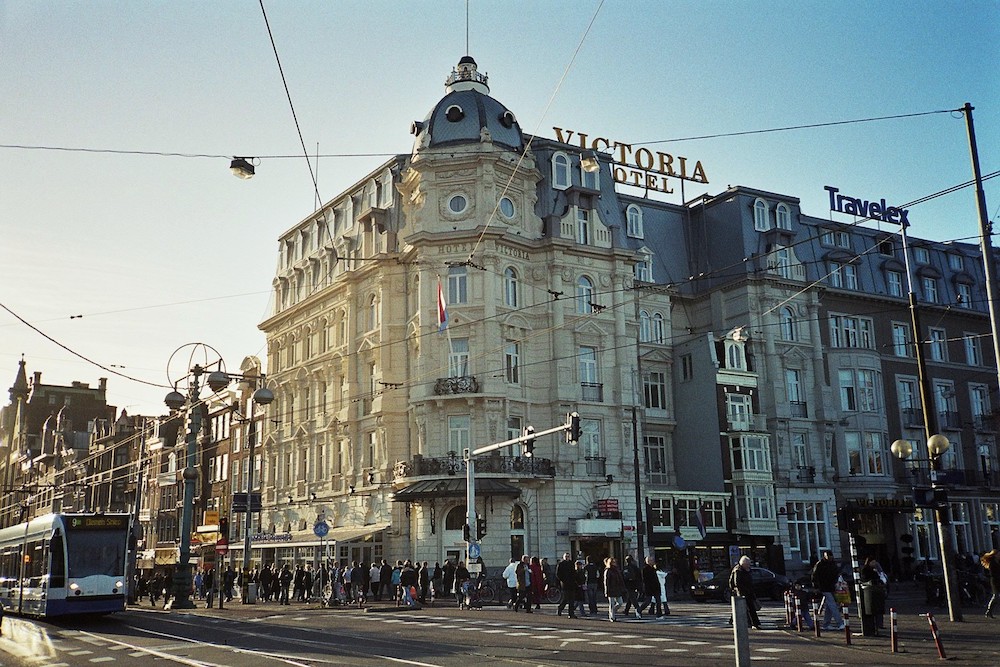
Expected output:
{"points": [[597, 465], [592, 392], [798, 409], [514, 466], [912, 417], [756, 423], [949, 420], [456, 385], [984, 423]]}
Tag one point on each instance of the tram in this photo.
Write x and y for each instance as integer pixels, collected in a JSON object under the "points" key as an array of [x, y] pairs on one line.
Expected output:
{"points": [[64, 564]]}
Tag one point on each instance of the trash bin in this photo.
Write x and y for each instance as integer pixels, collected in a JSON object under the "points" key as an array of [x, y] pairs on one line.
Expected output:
{"points": [[251, 593], [872, 608]]}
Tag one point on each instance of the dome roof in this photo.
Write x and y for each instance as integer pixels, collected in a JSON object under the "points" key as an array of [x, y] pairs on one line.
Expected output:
{"points": [[467, 114]]}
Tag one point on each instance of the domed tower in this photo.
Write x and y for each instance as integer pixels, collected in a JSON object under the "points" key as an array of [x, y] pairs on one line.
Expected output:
{"points": [[468, 161]]}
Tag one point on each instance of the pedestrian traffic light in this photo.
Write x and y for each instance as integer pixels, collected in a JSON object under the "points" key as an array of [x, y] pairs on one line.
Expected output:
{"points": [[573, 433], [466, 533], [480, 527], [529, 444], [847, 520], [224, 527]]}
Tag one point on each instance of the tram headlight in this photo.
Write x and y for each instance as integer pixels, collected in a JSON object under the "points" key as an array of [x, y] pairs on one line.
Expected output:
{"points": [[74, 587], [119, 584]]}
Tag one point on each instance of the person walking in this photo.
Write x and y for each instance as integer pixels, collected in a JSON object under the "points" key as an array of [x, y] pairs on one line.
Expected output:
{"points": [[510, 579], [991, 561], [284, 581], [652, 591], [633, 585], [824, 577], [566, 576], [592, 572], [436, 586], [614, 586], [537, 582], [871, 577], [209, 582], [523, 573], [385, 580], [462, 577], [741, 584]]}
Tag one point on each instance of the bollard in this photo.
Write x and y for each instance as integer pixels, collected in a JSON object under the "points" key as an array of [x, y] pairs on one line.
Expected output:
{"points": [[741, 631], [788, 609], [798, 615], [846, 613], [816, 623], [893, 631], [936, 635]]}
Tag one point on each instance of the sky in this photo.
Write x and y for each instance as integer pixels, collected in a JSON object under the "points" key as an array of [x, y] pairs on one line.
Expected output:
{"points": [[158, 251]]}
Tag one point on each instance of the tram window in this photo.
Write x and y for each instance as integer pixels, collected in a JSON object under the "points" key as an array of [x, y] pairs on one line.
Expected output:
{"points": [[34, 565], [57, 573], [95, 552]]}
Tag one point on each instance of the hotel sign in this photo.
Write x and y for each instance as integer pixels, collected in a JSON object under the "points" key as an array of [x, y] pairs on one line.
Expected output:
{"points": [[874, 209], [639, 167]]}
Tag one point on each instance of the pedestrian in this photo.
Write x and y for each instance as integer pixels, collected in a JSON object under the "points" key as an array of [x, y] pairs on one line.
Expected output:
{"points": [[593, 581], [307, 583], [566, 576], [461, 579], [397, 593], [824, 577], [652, 590], [581, 587], [614, 586], [991, 561], [437, 586], [537, 582], [522, 572], [284, 581], [297, 583], [633, 585], [449, 576], [228, 580], [871, 578], [375, 580], [199, 586], [385, 580], [510, 579], [741, 584], [209, 583]]}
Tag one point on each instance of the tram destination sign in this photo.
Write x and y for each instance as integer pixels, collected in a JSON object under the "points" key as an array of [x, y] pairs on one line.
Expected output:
{"points": [[98, 522]]}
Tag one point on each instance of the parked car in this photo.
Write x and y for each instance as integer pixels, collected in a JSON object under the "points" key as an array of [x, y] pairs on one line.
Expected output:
{"points": [[766, 584]]}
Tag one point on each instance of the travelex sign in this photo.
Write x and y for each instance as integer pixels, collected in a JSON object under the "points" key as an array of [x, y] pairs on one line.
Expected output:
{"points": [[639, 167], [876, 210]]}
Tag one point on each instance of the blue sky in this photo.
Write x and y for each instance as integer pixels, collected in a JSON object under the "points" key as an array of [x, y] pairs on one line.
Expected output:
{"points": [[160, 251]]}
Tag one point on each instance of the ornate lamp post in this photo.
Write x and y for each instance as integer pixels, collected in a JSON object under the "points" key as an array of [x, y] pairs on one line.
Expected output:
{"points": [[937, 445], [263, 396]]}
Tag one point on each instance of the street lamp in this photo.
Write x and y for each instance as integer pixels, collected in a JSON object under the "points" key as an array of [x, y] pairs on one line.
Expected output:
{"points": [[937, 445], [263, 396]]}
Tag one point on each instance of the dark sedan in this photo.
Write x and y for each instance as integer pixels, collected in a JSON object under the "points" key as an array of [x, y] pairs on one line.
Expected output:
{"points": [[766, 584]]}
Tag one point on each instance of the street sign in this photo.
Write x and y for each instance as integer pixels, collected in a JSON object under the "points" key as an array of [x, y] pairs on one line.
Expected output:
{"points": [[321, 528], [222, 546], [474, 550]]}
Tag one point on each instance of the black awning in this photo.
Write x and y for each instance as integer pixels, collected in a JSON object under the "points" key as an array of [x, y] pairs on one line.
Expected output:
{"points": [[452, 487]]}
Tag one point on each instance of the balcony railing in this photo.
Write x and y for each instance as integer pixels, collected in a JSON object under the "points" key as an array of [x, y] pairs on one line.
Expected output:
{"points": [[912, 417], [948, 419], [984, 423], [467, 384], [592, 391], [798, 409], [421, 466], [747, 423], [597, 465]]}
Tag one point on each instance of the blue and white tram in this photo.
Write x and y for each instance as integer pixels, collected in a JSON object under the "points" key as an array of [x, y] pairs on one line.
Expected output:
{"points": [[63, 564]]}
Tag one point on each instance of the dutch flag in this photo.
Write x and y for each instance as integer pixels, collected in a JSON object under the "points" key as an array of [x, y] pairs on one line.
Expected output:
{"points": [[442, 308]]}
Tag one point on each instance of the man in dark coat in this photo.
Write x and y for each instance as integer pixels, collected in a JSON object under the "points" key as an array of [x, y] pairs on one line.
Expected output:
{"points": [[741, 584], [824, 577], [566, 576], [652, 591]]}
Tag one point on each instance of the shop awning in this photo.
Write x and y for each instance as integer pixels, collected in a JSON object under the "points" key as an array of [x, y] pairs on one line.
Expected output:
{"points": [[353, 533], [452, 487]]}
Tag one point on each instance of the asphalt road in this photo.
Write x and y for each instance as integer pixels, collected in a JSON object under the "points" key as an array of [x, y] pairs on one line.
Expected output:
{"points": [[250, 635]]}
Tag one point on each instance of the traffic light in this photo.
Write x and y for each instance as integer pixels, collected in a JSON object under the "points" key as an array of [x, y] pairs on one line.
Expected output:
{"points": [[480, 527], [529, 444], [224, 527], [466, 533], [847, 520], [574, 433]]}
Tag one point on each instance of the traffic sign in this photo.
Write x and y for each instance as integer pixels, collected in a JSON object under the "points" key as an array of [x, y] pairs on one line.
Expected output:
{"points": [[474, 550], [222, 547], [321, 528]]}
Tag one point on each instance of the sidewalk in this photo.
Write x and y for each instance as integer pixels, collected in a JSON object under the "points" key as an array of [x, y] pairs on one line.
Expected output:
{"points": [[972, 641]]}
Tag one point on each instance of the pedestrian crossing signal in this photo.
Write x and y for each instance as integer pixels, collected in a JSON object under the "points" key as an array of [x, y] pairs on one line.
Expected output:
{"points": [[573, 433]]}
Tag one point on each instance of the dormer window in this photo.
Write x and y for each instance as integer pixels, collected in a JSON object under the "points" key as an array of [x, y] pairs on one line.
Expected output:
{"points": [[560, 171], [783, 216], [589, 179], [633, 221], [760, 221], [454, 113]]}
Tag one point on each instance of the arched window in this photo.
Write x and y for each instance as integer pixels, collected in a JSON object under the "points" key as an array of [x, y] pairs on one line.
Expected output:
{"points": [[510, 287], [783, 216], [734, 356], [584, 295], [456, 518], [633, 217], [787, 323], [657, 332], [644, 327], [560, 171], [373, 312], [590, 179], [760, 222]]}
